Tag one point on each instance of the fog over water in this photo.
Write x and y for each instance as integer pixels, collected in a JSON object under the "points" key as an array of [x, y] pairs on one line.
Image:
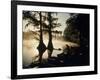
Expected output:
{"points": [[31, 36]]}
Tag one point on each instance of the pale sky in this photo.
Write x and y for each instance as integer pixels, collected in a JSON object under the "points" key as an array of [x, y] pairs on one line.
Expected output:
{"points": [[62, 17]]}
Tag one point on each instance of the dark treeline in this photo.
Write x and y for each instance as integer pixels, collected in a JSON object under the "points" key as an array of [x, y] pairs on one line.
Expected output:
{"points": [[77, 30]]}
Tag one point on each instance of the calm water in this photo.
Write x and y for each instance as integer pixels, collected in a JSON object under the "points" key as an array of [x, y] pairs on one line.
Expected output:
{"points": [[30, 52]]}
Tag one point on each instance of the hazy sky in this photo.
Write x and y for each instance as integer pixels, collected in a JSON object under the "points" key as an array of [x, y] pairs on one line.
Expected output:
{"points": [[62, 17]]}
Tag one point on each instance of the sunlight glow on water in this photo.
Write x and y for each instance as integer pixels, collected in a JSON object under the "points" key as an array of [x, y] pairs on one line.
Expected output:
{"points": [[30, 49]]}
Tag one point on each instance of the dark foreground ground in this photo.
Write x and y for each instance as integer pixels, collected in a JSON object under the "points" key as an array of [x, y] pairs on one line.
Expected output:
{"points": [[79, 59]]}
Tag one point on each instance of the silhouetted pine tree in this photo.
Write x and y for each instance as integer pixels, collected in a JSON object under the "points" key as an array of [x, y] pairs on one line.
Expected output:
{"points": [[41, 47]]}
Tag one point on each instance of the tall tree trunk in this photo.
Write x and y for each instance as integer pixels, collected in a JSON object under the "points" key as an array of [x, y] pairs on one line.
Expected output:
{"points": [[41, 47], [41, 38], [50, 44]]}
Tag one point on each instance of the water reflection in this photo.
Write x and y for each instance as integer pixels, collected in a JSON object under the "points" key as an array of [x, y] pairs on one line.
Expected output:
{"points": [[31, 52]]}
